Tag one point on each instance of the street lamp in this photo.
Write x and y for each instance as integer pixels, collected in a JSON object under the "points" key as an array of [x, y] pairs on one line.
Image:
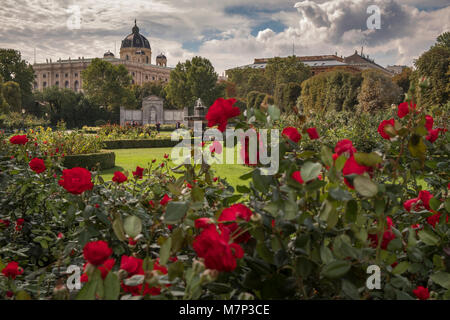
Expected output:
{"points": [[23, 119]]}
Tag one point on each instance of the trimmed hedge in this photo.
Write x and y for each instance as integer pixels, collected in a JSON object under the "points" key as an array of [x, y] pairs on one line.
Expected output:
{"points": [[136, 144], [104, 160]]}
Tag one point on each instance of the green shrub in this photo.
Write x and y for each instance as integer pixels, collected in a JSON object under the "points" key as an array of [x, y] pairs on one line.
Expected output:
{"points": [[136, 144], [99, 161]]}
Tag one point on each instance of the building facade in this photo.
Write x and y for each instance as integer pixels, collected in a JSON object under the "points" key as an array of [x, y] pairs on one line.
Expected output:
{"points": [[324, 63], [135, 55]]}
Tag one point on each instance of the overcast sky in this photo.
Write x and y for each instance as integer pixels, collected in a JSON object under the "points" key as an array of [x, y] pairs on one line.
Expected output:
{"points": [[228, 32]]}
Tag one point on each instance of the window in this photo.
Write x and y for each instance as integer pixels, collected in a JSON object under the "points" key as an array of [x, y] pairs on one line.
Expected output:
{"points": [[146, 77], [76, 85], [44, 76], [66, 84], [133, 74], [76, 74], [147, 60], [57, 83], [35, 85], [57, 75], [66, 75], [127, 58], [45, 84]]}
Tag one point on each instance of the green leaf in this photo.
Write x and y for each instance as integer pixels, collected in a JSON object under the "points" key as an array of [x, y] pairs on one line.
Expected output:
{"points": [[351, 211], [326, 255], [401, 267], [112, 286], [365, 187], [435, 204], [336, 269], [175, 212], [326, 155], [164, 252], [340, 194], [274, 112], [132, 226], [176, 270], [340, 162], [368, 159], [428, 238], [442, 279], [198, 194], [310, 171], [22, 295], [417, 147], [117, 226], [88, 291], [290, 210]]}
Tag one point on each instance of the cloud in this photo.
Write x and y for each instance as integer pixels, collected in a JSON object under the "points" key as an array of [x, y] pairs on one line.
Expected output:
{"points": [[229, 33]]}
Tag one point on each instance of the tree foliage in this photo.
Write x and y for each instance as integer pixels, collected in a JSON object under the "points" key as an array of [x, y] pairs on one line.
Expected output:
{"points": [[192, 80], [108, 85], [377, 92], [12, 95], [403, 79], [73, 108], [14, 68], [286, 95], [435, 65], [335, 90]]}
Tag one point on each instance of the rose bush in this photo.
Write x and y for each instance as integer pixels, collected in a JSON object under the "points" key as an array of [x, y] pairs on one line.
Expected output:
{"points": [[308, 232]]}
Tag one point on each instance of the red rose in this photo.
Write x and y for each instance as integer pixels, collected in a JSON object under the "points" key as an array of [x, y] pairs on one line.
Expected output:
{"points": [[138, 173], [4, 223], [344, 146], [19, 224], [434, 219], [97, 252], [12, 270], [353, 167], [433, 135], [404, 108], [388, 235], [119, 177], [134, 266], [19, 140], [245, 150], [216, 249], [233, 213], [297, 176], [220, 112], [429, 121], [292, 134], [131, 265], [151, 203], [216, 147], [202, 223], [420, 203], [421, 293], [76, 180], [166, 156], [37, 165], [312, 132], [104, 270], [383, 125], [165, 200]]}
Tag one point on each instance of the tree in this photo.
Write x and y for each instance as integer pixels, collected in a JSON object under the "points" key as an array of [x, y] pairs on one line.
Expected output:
{"points": [[403, 79], [108, 85], [286, 95], [334, 90], [286, 70], [12, 96], [4, 108], [443, 40], [148, 89], [192, 80], [247, 80], [435, 65], [377, 92], [14, 68]]}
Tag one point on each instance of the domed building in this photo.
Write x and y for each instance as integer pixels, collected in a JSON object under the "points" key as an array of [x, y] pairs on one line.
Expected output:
{"points": [[135, 47], [135, 55]]}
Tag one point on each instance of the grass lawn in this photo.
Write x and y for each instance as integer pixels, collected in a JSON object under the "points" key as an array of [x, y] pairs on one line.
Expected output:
{"points": [[128, 159]]}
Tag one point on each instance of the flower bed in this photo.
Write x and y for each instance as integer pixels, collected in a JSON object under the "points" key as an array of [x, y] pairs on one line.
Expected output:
{"points": [[311, 231]]}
